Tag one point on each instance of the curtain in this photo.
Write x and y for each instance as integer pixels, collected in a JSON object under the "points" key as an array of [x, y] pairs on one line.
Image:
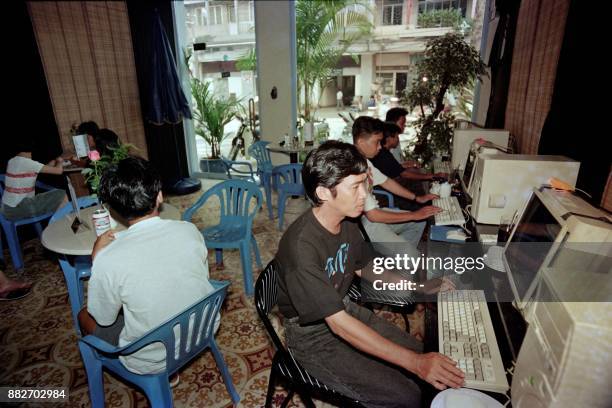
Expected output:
{"points": [[87, 55], [539, 35]]}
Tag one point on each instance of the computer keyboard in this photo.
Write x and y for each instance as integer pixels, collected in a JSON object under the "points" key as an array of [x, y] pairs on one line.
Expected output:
{"points": [[451, 213], [440, 166], [465, 334]]}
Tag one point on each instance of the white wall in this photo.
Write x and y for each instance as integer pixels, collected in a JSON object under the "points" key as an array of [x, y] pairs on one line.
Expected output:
{"points": [[276, 68], [367, 77]]}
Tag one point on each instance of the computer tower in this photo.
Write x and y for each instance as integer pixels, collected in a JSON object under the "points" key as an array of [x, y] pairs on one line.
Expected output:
{"points": [[566, 357], [501, 184], [463, 138]]}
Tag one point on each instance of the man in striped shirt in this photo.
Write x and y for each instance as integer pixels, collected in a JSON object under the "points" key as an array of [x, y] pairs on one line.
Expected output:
{"points": [[19, 199]]}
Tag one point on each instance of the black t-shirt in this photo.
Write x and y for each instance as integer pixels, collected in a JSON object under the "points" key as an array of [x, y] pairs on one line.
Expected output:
{"points": [[387, 163], [317, 267]]}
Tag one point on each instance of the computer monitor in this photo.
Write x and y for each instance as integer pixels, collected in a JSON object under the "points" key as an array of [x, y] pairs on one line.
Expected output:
{"points": [[502, 183], [559, 235], [463, 139], [528, 246], [468, 172]]}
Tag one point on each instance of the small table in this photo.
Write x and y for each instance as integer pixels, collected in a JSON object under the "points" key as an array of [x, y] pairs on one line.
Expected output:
{"points": [[293, 152], [58, 237]]}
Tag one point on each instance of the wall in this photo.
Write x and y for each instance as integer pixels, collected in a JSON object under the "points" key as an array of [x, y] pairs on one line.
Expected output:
{"points": [[276, 68]]}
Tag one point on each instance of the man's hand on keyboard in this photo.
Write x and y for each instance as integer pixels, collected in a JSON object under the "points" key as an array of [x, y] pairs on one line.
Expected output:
{"points": [[437, 285], [425, 198], [439, 370], [426, 212]]}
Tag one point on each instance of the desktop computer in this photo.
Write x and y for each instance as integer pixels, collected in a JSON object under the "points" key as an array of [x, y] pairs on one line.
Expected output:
{"points": [[463, 138], [564, 290], [466, 175], [501, 184]]}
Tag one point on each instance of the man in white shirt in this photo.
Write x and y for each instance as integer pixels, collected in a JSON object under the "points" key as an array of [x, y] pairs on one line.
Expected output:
{"points": [[386, 227], [339, 96], [19, 199], [152, 271]]}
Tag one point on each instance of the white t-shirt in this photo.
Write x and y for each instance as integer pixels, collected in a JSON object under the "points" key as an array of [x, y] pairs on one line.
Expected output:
{"points": [[375, 177], [153, 270], [339, 95], [20, 181]]}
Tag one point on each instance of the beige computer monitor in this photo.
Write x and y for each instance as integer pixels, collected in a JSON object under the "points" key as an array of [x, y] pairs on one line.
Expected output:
{"points": [[463, 138], [501, 184]]}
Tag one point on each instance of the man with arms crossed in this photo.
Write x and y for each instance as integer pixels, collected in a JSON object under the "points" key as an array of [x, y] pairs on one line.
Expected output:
{"points": [[342, 344]]}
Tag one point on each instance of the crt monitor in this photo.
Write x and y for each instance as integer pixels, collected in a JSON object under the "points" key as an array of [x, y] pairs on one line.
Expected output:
{"points": [[528, 247]]}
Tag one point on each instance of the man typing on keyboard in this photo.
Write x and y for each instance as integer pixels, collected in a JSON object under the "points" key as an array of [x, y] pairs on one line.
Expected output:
{"points": [[340, 343], [387, 229]]}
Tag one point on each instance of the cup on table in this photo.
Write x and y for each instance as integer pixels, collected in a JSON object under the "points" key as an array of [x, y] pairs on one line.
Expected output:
{"points": [[503, 233]]}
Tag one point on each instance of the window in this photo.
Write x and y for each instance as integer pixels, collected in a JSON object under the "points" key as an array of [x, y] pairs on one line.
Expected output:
{"points": [[231, 13], [216, 15], [386, 80], [251, 11], [392, 12]]}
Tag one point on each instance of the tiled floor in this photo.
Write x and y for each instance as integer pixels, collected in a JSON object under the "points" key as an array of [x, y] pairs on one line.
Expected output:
{"points": [[38, 341]]}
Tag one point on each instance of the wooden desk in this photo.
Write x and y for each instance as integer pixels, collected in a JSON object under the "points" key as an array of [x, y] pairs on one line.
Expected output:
{"points": [[58, 237]]}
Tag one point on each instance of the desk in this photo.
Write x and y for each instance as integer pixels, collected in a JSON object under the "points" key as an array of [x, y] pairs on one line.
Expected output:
{"points": [[58, 237], [293, 152]]}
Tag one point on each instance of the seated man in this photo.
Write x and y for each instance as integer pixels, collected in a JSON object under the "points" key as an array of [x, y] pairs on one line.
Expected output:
{"points": [[20, 199], [386, 162], [152, 271], [387, 228], [342, 344]]}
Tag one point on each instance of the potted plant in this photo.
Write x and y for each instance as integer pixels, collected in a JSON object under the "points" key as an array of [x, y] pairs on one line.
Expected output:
{"points": [[449, 63], [98, 164], [210, 115]]}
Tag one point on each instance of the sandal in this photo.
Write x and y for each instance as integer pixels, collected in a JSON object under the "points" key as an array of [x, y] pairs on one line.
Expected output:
{"points": [[15, 294]]}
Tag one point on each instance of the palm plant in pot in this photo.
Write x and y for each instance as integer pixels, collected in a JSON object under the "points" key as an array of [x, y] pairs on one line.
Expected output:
{"points": [[210, 115]]}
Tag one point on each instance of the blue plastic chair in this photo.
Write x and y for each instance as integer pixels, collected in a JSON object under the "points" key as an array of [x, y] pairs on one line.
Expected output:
{"points": [[264, 170], [10, 227], [242, 170], [239, 201], [387, 194], [288, 178], [80, 267], [98, 355]]}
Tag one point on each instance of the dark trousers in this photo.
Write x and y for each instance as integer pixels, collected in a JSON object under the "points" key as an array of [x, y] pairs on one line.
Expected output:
{"points": [[373, 382]]}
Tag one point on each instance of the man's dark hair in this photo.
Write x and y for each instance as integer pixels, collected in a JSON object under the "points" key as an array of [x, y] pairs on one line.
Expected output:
{"points": [[23, 145], [390, 129], [328, 165], [104, 139], [394, 114], [366, 126], [88, 128], [131, 187]]}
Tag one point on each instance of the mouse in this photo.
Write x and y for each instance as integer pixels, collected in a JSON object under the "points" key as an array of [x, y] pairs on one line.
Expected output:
{"points": [[457, 235]]}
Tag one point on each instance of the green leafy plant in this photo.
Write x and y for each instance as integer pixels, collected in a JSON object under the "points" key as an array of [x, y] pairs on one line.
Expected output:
{"points": [[325, 29], [440, 18], [211, 114], [98, 164], [448, 63]]}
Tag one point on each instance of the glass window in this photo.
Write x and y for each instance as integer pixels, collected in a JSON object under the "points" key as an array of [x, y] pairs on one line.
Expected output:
{"points": [[392, 12], [225, 65]]}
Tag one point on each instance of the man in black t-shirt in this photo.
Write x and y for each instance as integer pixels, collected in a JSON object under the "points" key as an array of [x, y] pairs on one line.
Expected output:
{"points": [[342, 344]]}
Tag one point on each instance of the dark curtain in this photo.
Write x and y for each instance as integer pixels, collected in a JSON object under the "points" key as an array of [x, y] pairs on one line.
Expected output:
{"points": [[30, 113], [573, 127], [500, 61], [165, 143]]}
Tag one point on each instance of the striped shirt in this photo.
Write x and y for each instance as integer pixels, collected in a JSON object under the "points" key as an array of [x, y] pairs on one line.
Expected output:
{"points": [[20, 181]]}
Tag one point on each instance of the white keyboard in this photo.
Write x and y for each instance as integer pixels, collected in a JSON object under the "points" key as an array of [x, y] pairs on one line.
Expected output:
{"points": [[451, 213], [440, 166], [465, 334]]}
